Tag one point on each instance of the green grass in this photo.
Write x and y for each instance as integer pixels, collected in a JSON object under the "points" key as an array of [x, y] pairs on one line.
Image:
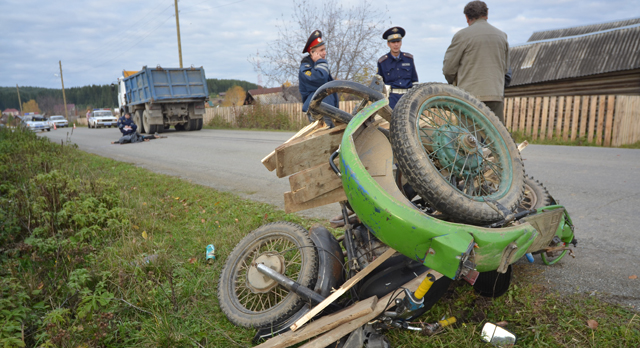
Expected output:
{"points": [[76, 230]]}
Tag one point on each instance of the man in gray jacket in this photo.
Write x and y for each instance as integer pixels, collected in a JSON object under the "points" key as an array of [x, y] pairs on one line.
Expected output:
{"points": [[478, 58]]}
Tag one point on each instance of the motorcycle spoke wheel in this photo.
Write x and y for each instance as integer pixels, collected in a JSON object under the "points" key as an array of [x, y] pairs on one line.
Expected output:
{"points": [[250, 299]]}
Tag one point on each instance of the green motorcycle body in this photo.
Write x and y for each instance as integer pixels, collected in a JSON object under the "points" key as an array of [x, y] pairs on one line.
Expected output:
{"points": [[449, 248]]}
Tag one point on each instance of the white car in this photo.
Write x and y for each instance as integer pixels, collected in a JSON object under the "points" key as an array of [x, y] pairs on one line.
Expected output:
{"points": [[36, 123], [59, 121], [102, 118]]}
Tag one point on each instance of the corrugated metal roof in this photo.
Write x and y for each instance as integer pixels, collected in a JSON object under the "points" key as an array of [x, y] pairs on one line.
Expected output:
{"points": [[576, 56], [585, 29]]}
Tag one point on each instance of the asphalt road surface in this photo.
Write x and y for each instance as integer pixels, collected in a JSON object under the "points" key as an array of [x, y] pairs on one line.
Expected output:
{"points": [[598, 186]]}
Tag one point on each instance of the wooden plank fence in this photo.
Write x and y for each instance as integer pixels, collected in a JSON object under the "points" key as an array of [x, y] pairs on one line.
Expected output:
{"points": [[294, 110], [609, 120]]}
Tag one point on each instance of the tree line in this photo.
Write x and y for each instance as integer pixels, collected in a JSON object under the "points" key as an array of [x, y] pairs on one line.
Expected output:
{"points": [[49, 100]]}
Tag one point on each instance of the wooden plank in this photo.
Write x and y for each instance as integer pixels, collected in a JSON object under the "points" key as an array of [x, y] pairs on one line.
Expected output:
{"points": [[611, 100], [307, 152], [346, 286], [566, 124], [601, 115], [592, 118], [544, 116], [584, 116], [343, 330], [324, 324], [516, 114], [290, 206], [552, 115], [560, 114], [575, 116], [508, 113], [536, 118], [270, 160], [523, 115], [529, 118], [313, 182], [619, 114]]}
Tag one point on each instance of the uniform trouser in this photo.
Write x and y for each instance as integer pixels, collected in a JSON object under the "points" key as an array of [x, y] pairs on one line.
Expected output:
{"points": [[327, 120], [497, 107], [393, 99]]}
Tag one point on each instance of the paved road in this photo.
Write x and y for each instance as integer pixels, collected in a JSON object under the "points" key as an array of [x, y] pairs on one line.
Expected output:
{"points": [[599, 187]]}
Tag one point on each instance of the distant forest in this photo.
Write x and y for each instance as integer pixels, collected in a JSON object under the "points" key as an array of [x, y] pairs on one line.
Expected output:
{"points": [[50, 99]]}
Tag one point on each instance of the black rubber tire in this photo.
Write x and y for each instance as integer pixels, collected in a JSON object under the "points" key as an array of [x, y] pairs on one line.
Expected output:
{"points": [[137, 119], [200, 123], [296, 239], [535, 195], [423, 174], [492, 283], [148, 127], [191, 125], [179, 127]]}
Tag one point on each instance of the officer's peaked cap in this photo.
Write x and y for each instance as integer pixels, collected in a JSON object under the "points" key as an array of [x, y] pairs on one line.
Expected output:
{"points": [[315, 40], [394, 34]]}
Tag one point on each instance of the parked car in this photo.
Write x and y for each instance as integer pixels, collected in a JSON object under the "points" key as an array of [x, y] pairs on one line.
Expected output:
{"points": [[59, 121], [35, 123], [102, 118]]}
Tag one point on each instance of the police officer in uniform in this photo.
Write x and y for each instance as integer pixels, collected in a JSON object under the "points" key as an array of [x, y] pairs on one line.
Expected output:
{"points": [[126, 125], [396, 68], [314, 72]]}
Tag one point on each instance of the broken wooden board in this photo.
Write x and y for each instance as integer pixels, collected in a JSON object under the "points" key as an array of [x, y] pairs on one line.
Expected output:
{"points": [[313, 182], [290, 206], [346, 286], [323, 324], [270, 160], [347, 328], [307, 152]]}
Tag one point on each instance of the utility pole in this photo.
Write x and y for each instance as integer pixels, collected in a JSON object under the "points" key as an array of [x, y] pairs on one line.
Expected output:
{"points": [[64, 98], [19, 101], [178, 26]]}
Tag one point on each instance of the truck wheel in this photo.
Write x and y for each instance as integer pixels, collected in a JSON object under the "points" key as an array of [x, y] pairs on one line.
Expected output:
{"points": [[456, 153], [149, 128], [192, 125], [250, 299], [138, 121], [200, 122], [179, 127]]}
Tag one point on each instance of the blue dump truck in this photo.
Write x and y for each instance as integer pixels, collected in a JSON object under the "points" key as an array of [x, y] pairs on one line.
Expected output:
{"points": [[159, 98]]}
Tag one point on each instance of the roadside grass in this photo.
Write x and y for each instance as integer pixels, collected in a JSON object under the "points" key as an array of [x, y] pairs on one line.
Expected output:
{"points": [[259, 117], [95, 252]]}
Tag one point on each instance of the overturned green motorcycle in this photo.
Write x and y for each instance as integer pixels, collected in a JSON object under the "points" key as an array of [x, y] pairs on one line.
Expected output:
{"points": [[444, 186]]}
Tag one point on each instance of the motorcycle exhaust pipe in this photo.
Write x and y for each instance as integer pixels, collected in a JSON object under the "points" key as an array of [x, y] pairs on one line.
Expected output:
{"points": [[291, 285]]}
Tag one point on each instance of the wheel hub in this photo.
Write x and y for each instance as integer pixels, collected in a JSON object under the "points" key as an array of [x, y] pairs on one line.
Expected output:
{"points": [[258, 282], [458, 149]]}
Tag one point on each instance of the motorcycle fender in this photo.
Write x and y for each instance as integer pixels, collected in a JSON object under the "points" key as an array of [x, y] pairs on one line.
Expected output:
{"points": [[456, 243]]}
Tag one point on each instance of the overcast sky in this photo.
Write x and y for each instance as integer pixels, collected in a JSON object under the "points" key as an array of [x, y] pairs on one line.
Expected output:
{"points": [[97, 39]]}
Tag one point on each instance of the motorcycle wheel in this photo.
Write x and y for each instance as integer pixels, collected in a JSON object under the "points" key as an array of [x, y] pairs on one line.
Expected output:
{"points": [[535, 195], [492, 283], [250, 299], [456, 153]]}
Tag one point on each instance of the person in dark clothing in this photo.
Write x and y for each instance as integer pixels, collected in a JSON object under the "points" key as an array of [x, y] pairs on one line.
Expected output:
{"points": [[396, 67], [126, 125], [136, 138], [314, 72]]}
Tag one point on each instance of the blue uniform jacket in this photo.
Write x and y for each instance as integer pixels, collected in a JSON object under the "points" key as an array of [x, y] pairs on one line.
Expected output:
{"points": [[397, 73], [122, 122], [312, 75]]}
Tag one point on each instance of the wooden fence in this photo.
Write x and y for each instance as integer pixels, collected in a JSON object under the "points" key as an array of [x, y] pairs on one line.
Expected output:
{"points": [[294, 110], [607, 120]]}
